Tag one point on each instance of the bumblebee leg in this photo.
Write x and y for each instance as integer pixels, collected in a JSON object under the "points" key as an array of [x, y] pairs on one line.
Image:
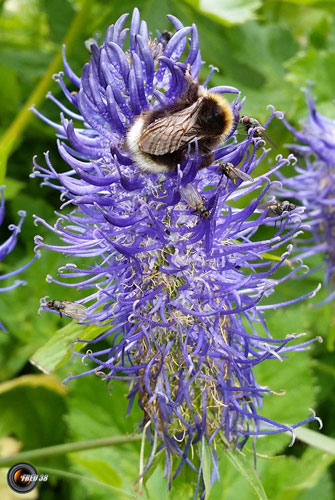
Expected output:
{"points": [[190, 94], [205, 147]]}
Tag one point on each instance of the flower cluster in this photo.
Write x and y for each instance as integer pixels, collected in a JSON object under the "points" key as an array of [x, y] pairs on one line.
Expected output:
{"points": [[180, 291], [313, 186], [8, 245]]}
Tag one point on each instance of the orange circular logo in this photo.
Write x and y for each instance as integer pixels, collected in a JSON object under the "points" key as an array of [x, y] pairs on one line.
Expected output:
{"points": [[22, 477]]}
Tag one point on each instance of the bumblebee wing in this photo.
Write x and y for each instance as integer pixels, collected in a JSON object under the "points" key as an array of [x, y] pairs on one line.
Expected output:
{"points": [[74, 310], [172, 132], [191, 196]]}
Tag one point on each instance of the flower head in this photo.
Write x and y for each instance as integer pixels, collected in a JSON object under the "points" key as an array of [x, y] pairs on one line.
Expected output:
{"points": [[175, 268], [313, 186]]}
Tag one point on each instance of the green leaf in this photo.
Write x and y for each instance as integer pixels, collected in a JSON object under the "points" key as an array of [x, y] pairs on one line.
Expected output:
{"points": [[157, 461], [101, 470], [231, 11], [318, 3], [318, 34], [104, 413], [247, 470], [13, 187], [58, 349], [287, 477], [323, 490], [59, 15], [206, 467], [98, 411], [34, 414], [293, 376], [312, 65]]}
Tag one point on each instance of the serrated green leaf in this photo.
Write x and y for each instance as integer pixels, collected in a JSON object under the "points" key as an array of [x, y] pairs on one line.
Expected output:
{"points": [[293, 375], [291, 380], [289, 476]]}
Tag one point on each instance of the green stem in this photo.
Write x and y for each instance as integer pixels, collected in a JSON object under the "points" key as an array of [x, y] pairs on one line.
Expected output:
{"points": [[10, 138], [79, 477], [62, 449]]}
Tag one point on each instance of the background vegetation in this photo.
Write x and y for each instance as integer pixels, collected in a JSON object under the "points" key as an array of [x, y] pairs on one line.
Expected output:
{"points": [[267, 48]]}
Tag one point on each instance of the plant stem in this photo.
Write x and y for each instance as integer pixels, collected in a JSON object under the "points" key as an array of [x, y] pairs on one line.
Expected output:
{"points": [[10, 138], [62, 449]]}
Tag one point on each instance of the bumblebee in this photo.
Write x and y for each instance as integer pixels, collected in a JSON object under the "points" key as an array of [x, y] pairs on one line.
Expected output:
{"points": [[158, 140]]}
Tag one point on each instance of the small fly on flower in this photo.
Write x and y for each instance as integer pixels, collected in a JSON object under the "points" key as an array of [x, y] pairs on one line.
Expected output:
{"points": [[233, 173], [194, 200], [69, 309], [249, 123], [158, 139], [277, 208]]}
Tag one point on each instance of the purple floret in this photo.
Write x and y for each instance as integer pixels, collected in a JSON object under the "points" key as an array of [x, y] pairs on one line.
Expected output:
{"points": [[313, 186]]}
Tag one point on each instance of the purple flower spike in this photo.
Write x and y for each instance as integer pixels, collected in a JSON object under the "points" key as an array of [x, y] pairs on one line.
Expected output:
{"points": [[7, 246], [176, 270], [313, 185]]}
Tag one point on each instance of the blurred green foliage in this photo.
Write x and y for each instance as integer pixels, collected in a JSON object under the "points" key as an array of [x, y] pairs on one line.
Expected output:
{"points": [[269, 49]]}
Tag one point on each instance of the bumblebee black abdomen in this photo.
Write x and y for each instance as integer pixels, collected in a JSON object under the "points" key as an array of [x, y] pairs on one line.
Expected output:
{"points": [[169, 160]]}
